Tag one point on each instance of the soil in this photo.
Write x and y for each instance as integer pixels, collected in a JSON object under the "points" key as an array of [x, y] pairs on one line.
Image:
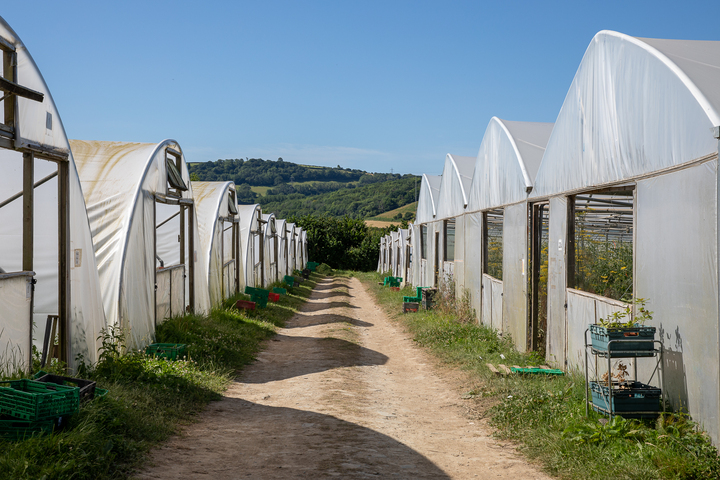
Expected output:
{"points": [[341, 392]]}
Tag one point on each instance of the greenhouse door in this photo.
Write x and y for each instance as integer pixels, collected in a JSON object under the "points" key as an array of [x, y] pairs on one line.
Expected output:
{"points": [[539, 229]]}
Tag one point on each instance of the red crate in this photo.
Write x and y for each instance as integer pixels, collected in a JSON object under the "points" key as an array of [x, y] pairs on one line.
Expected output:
{"points": [[273, 297], [245, 304]]}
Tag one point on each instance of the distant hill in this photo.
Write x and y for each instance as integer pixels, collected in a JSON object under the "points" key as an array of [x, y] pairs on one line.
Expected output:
{"points": [[359, 202], [287, 188]]}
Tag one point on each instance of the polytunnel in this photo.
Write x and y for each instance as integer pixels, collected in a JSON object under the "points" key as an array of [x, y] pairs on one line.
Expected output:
{"points": [[304, 248], [496, 226], [291, 234], [300, 260], [281, 227], [427, 232], [144, 229], [219, 235], [401, 255], [630, 175], [251, 246], [270, 248], [451, 202], [48, 274]]}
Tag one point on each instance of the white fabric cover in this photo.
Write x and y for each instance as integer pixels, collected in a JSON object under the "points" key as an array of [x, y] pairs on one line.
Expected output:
{"points": [[473, 240], [427, 199], [270, 249], [87, 317], [291, 232], [515, 250], [15, 330], [215, 250], [632, 110], [120, 182], [505, 168], [454, 186], [556, 351], [677, 270], [280, 225], [249, 244]]}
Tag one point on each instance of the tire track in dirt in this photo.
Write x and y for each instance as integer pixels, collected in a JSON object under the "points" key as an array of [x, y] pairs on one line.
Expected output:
{"points": [[341, 392]]}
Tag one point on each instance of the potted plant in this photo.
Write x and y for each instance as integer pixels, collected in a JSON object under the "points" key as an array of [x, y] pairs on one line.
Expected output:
{"points": [[627, 330]]}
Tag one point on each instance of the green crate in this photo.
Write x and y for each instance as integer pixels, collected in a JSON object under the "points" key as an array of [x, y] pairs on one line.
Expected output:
{"points": [[260, 300], [100, 392], [13, 429], [171, 351], [280, 291], [34, 401], [412, 299]]}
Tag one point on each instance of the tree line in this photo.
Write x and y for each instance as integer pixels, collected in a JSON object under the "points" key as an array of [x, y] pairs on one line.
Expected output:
{"points": [[345, 243]]}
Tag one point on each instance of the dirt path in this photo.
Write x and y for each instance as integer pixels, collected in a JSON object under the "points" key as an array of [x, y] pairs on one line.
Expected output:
{"points": [[342, 392]]}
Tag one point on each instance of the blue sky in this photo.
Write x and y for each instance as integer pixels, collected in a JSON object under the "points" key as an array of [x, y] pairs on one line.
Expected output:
{"points": [[376, 85]]}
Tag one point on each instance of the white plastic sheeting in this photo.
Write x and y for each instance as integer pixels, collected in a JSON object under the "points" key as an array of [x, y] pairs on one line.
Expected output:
{"points": [[454, 189], [505, 168], [39, 124], [250, 253], [427, 198], [270, 248], [515, 285], [643, 111], [215, 249], [121, 182], [631, 110], [291, 234], [300, 255], [280, 225], [676, 269], [508, 159], [304, 247]]}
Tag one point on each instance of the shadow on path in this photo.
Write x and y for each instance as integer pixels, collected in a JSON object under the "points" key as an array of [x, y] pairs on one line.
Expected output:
{"points": [[300, 320], [318, 355], [262, 441], [316, 307]]}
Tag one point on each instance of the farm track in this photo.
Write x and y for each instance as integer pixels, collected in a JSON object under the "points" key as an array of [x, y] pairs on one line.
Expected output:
{"points": [[341, 392]]}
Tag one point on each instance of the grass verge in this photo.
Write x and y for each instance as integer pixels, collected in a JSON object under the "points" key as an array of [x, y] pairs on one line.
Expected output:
{"points": [[149, 399], [546, 415]]}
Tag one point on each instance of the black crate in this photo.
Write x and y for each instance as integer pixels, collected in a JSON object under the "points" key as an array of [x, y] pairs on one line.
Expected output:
{"points": [[87, 387]]}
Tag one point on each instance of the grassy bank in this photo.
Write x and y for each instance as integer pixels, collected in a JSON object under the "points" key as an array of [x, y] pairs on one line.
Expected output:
{"points": [[149, 399], [546, 415]]}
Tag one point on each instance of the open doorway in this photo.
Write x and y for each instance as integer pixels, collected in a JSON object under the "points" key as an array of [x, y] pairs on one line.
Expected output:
{"points": [[538, 241]]}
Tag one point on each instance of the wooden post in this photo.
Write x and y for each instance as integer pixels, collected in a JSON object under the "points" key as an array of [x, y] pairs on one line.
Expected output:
{"points": [[191, 244], [28, 234], [64, 294]]}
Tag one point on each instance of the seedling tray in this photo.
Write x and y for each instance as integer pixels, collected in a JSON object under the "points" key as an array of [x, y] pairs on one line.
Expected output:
{"points": [[171, 351], [35, 401], [536, 371], [626, 342], [87, 387]]}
